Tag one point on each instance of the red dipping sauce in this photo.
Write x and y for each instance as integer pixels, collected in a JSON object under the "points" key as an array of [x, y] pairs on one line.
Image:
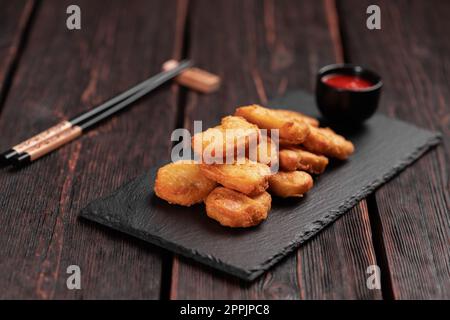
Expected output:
{"points": [[344, 81]]}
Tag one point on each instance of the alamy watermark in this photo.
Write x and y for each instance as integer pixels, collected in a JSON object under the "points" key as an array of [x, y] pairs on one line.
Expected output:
{"points": [[73, 281], [374, 280], [373, 21], [73, 21]]}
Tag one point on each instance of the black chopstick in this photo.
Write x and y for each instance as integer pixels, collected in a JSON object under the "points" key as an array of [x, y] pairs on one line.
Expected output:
{"points": [[66, 131], [148, 85]]}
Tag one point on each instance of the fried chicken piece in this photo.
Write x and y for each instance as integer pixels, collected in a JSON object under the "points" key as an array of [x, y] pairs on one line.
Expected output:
{"points": [[267, 152], [299, 116], [213, 137], [230, 139], [237, 210], [250, 177], [234, 122], [295, 158], [325, 141], [286, 143], [291, 129], [182, 183], [290, 184]]}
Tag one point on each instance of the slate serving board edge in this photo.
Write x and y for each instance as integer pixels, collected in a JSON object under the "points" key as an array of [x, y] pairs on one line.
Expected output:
{"points": [[252, 274], [434, 140], [89, 213]]}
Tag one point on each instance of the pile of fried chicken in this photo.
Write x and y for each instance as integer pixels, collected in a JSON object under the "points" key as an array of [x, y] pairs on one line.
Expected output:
{"points": [[238, 194]]}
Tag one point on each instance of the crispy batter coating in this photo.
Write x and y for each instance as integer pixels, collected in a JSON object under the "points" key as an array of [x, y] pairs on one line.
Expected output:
{"points": [[249, 177], [237, 210], [286, 143], [234, 122], [300, 116], [232, 137], [291, 129], [290, 184], [325, 141], [267, 152], [212, 140], [182, 183], [295, 158]]}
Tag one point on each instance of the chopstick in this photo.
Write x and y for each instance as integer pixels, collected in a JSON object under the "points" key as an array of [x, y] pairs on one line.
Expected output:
{"points": [[67, 130]]}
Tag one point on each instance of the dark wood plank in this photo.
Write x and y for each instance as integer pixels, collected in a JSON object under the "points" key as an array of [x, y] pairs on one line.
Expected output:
{"points": [[261, 49], [412, 53], [62, 73], [14, 19]]}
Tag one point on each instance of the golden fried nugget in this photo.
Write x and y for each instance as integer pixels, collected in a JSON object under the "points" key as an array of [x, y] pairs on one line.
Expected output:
{"points": [[234, 122], [230, 139], [251, 133], [300, 116], [249, 177], [293, 130], [182, 183], [212, 138], [286, 143], [295, 158], [325, 141], [290, 184], [237, 210], [267, 152]]}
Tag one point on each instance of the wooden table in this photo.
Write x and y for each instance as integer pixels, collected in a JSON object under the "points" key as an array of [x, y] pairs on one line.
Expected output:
{"points": [[261, 49]]}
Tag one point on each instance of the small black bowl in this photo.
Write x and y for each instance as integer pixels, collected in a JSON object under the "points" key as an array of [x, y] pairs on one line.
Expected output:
{"points": [[348, 106]]}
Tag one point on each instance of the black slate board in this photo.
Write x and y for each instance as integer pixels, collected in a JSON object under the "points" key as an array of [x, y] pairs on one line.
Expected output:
{"points": [[383, 148]]}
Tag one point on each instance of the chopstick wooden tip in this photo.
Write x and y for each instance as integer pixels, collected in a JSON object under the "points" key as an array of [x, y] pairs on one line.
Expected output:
{"points": [[195, 78]]}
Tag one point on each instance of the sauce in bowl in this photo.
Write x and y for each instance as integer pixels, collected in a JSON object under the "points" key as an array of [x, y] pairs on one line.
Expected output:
{"points": [[347, 94], [344, 81]]}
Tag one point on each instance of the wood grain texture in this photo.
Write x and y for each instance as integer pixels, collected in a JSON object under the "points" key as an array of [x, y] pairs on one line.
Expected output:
{"points": [[260, 49], [412, 54], [62, 73], [14, 19]]}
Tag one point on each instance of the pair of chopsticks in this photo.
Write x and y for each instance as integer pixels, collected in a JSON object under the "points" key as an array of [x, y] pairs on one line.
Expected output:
{"points": [[68, 130]]}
